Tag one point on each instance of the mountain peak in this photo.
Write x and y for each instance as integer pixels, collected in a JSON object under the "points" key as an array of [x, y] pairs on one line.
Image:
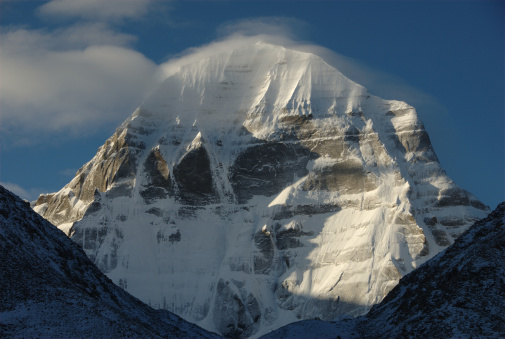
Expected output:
{"points": [[252, 135], [260, 79]]}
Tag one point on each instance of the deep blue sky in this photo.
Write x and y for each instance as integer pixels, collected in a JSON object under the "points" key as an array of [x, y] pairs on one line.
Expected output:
{"points": [[446, 58]]}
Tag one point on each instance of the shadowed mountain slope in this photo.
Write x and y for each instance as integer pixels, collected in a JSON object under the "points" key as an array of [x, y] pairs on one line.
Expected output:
{"points": [[49, 287]]}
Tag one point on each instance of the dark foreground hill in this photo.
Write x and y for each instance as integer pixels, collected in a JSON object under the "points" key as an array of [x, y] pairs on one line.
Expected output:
{"points": [[49, 287], [458, 294]]}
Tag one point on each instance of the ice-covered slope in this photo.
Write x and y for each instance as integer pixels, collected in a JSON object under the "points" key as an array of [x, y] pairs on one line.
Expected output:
{"points": [[458, 294], [259, 186], [50, 289]]}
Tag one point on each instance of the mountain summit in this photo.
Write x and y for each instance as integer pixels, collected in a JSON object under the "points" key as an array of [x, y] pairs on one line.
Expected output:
{"points": [[258, 186]]}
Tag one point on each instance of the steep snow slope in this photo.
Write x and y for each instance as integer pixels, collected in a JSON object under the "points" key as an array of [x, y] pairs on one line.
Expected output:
{"points": [[51, 289], [259, 186], [458, 294]]}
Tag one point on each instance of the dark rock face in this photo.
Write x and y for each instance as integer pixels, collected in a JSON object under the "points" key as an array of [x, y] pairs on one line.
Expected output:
{"points": [[159, 184], [263, 259], [346, 177], [119, 190], [267, 169], [440, 237], [286, 212], [151, 194], [237, 314], [194, 177], [457, 197], [51, 289], [289, 238]]}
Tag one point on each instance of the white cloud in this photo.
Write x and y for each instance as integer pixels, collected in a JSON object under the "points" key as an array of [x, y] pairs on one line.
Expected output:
{"points": [[96, 10], [71, 79], [26, 41], [69, 172]]}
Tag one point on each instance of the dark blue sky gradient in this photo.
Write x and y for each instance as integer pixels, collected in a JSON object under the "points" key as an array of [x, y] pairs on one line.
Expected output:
{"points": [[453, 51]]}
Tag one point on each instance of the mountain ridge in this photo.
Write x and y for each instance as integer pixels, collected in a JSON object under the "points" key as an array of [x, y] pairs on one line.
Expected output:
{"points": [[51, 288]]}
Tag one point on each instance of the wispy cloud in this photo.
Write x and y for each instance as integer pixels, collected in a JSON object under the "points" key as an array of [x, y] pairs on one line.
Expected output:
{"points": [[73, 78], [95, 10], [234, 34], [288, 28], [29, 195], [291, 33], [69, 172], [78, 36], [57, 89]]}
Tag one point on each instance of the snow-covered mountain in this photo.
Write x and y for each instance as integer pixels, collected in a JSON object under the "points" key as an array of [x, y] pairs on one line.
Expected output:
{"points": [[259, 186], [458, 294], [50, 288]]}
